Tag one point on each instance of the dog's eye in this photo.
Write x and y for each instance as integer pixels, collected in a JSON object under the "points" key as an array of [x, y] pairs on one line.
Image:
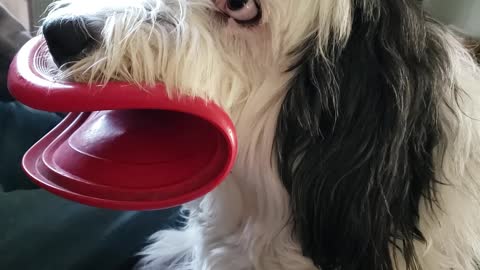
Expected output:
{"points": [[243, 11]]}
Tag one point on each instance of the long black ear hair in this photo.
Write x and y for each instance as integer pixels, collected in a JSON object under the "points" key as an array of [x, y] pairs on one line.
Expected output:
{"points": [[356, 135]]}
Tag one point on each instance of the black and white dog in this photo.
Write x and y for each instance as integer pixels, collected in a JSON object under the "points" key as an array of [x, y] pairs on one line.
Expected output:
{"points": [[357, 120]]}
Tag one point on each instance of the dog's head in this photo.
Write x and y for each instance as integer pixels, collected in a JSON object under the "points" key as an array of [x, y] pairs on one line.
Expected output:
{"points": [[360, 83], [217, 49]]}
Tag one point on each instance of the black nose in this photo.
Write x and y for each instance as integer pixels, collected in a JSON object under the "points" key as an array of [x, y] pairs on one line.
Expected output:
{"points": [[67, 39]]}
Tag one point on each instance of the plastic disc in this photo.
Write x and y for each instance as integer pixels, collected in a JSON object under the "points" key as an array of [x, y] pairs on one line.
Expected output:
{"points": [[121, 147]]}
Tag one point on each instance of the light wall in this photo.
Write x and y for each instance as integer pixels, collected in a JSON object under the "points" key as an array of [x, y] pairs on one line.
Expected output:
{"points": [[19, 9], [463, 15]]}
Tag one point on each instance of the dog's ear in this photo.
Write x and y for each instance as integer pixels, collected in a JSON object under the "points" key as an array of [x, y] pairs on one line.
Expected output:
{"points": [[356, 135]]}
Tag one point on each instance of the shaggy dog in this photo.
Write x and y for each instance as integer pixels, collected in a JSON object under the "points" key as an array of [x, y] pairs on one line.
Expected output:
{"points": [[357, 120]]}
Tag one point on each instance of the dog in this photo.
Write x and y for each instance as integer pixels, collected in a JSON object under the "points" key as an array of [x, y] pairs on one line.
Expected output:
{"points": [[358, 126]]}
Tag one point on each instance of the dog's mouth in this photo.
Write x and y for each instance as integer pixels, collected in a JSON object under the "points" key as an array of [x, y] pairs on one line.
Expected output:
{"points": [[242, 12]]}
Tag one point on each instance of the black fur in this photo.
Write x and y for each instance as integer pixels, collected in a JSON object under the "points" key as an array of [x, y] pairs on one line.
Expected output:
{"points": [[356, 134]]}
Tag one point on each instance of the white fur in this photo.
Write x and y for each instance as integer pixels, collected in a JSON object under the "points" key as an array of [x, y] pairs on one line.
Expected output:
{"points": [[244, 223]]}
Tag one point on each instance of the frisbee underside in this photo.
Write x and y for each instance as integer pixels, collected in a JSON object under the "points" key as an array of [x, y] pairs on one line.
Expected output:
{"points": [[121, 147]]}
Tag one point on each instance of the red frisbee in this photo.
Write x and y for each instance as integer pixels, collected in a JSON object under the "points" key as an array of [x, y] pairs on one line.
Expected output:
{"points": [[121, 147]]}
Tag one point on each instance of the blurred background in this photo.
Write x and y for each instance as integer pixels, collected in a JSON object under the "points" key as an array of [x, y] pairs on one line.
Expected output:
{"points": [[28, 12], [463, 15]]}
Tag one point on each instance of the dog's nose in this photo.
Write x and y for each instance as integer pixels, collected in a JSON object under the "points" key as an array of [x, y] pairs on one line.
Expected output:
{"points": [[67, 39]]}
